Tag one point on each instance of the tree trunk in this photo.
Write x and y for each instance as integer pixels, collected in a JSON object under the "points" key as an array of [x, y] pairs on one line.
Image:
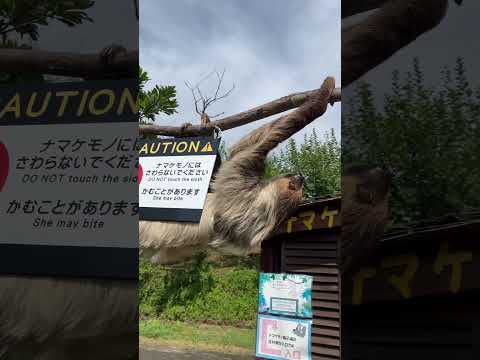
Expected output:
{"points": [[260, 112], [88, 66]]}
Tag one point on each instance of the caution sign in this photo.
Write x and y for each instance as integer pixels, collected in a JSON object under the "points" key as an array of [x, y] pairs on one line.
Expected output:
{"points": [[174, 175], [68, 179]]}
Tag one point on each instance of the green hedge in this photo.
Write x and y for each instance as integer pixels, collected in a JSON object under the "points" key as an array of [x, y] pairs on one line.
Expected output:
{"points": [[223, 292]]}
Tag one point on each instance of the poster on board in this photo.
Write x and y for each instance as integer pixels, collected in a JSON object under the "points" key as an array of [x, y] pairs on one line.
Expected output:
{"points": [[174, 177], [283, 338], [285, 294], [68, 179]]}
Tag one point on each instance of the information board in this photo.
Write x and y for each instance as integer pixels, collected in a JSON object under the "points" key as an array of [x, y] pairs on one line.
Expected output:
{"points": [[283, 338], [285, 294], [68, 179], [174, 177]]}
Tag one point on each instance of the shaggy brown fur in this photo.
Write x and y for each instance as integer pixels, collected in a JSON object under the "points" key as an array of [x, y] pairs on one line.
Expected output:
{"points": [[58, 319], [244, 208], [365, 194]]}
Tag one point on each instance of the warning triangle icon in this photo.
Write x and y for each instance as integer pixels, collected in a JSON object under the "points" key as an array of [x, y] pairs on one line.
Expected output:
{"points": [[207, 147]]}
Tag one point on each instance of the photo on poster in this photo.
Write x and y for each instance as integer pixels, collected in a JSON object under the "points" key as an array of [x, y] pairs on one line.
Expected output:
{"points": [[285, 294], [283, 338]]}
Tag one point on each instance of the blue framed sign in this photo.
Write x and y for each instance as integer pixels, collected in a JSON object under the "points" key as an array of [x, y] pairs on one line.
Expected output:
{"points": [[285, 294]]}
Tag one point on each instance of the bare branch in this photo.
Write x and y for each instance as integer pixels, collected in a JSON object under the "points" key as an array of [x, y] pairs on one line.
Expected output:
{"points": [[220, 80], [219, 84], [204, 100], [208, 101], [205, 78], [260, 112], [196, 101], [224, 95], [214, 116]]}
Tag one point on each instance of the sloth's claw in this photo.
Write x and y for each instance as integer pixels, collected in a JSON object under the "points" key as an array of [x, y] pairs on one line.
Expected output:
{"points": [[185, 126], [108, 54]]}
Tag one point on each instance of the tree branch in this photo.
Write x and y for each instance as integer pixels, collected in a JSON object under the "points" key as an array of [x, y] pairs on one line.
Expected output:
{"points": [[260, 112], [395, 25], [135, 5], [354, 7], [207, 101], [196, 101], [89, 66]]}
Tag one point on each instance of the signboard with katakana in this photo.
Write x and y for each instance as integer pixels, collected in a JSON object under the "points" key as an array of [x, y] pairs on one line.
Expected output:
{"points": [[68, 179], [283, 338], [174, 175]]}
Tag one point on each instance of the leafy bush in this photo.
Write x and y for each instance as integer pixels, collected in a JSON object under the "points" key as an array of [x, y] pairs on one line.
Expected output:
{"points": [[426, 136], [200, 292]]}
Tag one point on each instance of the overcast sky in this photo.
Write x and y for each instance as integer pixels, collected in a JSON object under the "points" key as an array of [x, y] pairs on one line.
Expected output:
{"points": [[269, 48]]}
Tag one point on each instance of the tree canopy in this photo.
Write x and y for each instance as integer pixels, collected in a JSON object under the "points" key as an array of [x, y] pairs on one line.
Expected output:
{"points": [[157, 100], [426, 136], [318, 160], [25, 16]]}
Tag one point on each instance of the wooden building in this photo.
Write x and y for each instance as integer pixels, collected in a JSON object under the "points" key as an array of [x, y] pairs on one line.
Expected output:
{"points": [[307, 244], [417, 297]]}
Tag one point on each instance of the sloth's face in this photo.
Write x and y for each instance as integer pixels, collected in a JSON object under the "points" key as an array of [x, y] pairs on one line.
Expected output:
{"points": [[365, 185], [290, 187], [295, 182]]}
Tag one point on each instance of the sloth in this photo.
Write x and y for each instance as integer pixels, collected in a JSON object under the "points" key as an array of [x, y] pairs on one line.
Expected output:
{"points": [[244, 208], [365, 196], [365, 46]]}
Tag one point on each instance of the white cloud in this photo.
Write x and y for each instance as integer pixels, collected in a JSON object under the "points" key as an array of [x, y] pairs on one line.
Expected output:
{"points": [[270, 49]]}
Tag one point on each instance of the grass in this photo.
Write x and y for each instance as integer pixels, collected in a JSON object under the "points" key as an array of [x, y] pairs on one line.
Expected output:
{"points": [[199, 336], [216, 292]]}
